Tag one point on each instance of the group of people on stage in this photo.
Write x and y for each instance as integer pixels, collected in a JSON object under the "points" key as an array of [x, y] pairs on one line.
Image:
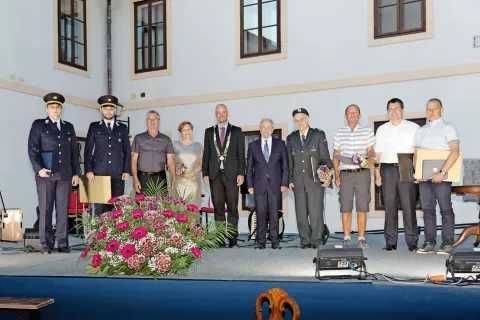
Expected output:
{"points": [[270, 168]]}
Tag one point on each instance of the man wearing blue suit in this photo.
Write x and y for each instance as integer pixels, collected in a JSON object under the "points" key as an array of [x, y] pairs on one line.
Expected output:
{"points": [[107, 150], [267, 178], [53, 152]]}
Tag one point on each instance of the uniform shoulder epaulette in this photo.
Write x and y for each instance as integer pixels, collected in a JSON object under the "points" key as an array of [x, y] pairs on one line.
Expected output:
{"points": [[316, 129], [294, 132]]}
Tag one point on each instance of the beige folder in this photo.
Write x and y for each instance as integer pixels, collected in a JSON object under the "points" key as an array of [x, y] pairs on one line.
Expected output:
{"points": [[98, 192], [424, 154]]}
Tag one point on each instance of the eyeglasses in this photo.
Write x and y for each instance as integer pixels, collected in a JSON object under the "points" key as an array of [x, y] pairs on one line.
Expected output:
{"points": [[153, 120]]}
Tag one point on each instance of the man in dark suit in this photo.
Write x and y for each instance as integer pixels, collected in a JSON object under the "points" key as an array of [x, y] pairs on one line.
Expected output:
{"points": [[107, 150], [267, 178], [52, 148], [302, 144], [223, 167]]}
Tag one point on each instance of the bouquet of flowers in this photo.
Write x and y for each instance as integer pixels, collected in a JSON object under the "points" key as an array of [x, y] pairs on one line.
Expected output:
{"points": [[149, 236], [324, 173], [180, 169], [360, 160]]}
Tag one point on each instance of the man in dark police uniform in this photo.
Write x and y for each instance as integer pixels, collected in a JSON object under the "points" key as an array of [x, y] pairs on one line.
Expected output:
{"points": [[52, 148], [107, 150]]}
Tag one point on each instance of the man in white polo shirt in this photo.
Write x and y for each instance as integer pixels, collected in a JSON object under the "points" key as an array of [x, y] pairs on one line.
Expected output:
{"points": [[393, 137], [351, 179], [437, 134]]}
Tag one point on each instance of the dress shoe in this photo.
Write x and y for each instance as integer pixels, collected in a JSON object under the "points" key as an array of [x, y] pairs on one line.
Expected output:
{"points": [[46, 251], [233, 244], [304, 246], [276, 246], [412, 248], [64, 250], [390, 247], [260, 246]]}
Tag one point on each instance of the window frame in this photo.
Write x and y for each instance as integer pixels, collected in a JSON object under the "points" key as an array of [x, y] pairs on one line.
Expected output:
{"points": [[260, 27], [400, 15], [149, 46], [72, 41]]}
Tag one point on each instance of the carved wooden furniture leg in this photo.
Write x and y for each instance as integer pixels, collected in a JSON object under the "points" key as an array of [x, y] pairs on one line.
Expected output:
{"points": [[277, 299], [468, 231]]}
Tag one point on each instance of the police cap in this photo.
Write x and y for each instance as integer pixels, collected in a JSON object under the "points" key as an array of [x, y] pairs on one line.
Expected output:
{"points": [[300, 110], [107, 101], [54, 98]]}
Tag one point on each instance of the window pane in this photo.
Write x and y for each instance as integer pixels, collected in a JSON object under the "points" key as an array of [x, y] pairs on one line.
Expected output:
{"points": [[142, 15], [412, 15], [247, 2], [157, 57], [65, 7], [69, 57], [62, 25], [250, 17], [157, 34], [269, 39], [142, 58], [63, 52], [142, 37], [250, 41], [79, 54], [78, 10], [269, 14], [79, 31], [68, 26], [157, 12], [387, 19], [387, 2]]}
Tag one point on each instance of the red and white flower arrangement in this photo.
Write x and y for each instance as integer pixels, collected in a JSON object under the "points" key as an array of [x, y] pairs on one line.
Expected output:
{"points": [[149, 236]]}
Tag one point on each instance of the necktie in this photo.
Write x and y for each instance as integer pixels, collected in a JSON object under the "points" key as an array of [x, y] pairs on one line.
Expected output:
{"points": [[265, 150], [222, 135], [57, 124], [303, 139], [109, 127]]}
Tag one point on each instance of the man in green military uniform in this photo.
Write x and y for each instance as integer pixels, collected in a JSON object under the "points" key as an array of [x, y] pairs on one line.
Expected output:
{"points": [[302, 144]]}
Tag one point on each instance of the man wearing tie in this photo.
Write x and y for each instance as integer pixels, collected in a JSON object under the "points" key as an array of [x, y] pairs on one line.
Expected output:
{"points": [[107, 150], [303, 144], [223, 167], [52, 149], [267, 178]]}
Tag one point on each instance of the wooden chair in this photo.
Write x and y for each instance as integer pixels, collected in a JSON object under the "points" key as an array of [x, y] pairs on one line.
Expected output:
{"points": [[277, 299], [30, 304]]}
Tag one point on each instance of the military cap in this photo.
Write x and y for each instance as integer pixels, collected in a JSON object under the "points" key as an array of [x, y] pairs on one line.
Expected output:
{"points": [[107, 101], [300, 110], [54, 98]]}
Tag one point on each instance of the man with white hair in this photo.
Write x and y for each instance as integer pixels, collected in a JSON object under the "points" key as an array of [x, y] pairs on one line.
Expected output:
{"points": [[267, 178]]}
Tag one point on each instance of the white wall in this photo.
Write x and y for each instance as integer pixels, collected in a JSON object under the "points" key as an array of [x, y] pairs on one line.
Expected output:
{"points": [[459, 95], [17, 179], [26, 33], [325, 40]]}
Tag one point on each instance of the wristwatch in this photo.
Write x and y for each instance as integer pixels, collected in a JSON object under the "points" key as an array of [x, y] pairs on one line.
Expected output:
{"points": [[442, 173]]}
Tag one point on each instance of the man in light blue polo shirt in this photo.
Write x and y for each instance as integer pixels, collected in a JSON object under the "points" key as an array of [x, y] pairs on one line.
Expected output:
{"points": [[438, 134]]}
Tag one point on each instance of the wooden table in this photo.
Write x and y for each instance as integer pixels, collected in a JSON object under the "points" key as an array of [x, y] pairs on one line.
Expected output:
{"points": [[474, 229], [32, 304]]}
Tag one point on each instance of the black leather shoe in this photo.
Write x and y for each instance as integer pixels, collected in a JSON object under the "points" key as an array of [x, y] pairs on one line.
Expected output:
{"points": [[304, 246], [390, 247], [276, 246], [64, 250], [260, 246], [413, 248], [46, 251], [233, 244]]}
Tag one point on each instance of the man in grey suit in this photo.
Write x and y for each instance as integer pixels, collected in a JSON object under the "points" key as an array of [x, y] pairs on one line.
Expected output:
{"points": [[302, 144]]}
